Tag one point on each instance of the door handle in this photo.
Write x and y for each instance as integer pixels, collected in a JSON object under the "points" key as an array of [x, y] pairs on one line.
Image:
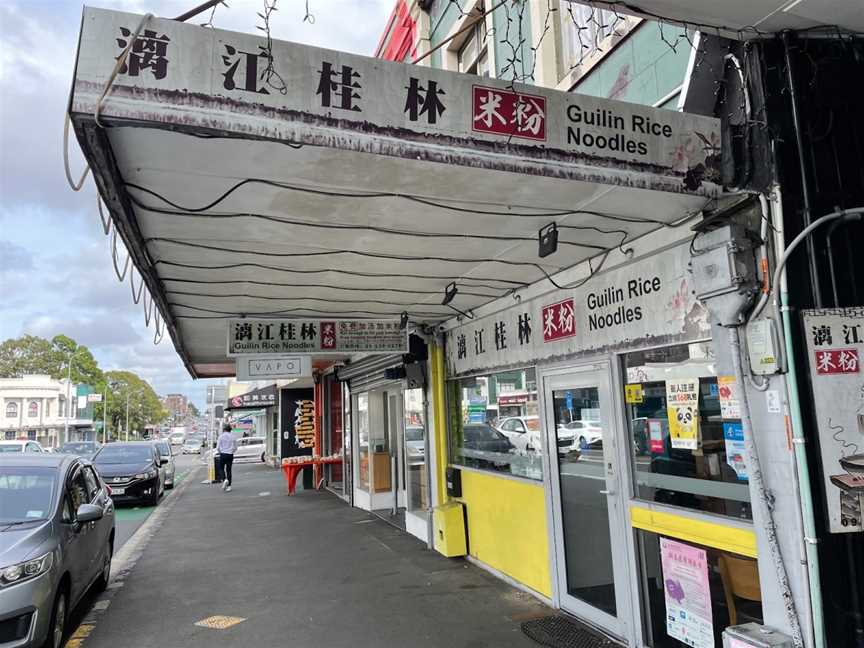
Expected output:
{"points": [[607, 492]]}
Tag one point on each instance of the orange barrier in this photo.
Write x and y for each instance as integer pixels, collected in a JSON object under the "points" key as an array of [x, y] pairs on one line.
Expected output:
{"points": [[291, 470]]}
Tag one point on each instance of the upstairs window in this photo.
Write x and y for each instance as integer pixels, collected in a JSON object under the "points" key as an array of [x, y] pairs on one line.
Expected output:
{"points": [[473, 56], [11, 410], [33, 409]]}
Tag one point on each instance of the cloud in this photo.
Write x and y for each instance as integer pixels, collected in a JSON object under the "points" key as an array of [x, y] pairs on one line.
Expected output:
{"points": [[14, 258], [93, 332]]}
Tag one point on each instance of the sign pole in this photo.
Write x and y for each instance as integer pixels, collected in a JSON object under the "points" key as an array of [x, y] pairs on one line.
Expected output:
{"points": [[105, 416]]}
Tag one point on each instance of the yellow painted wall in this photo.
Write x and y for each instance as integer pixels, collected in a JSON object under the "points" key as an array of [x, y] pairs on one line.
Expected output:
{"points": [[507, 527]]}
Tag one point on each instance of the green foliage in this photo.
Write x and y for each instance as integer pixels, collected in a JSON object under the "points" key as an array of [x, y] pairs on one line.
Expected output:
{"points": [[145, 408], [193, 411], [30, 354]]}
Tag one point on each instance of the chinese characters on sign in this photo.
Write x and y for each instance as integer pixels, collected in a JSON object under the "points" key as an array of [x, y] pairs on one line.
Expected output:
{"points": [[682, 405], [504, 112], [273, 336], [688, 594], [343, 84], [256, 398], [559, 321], [149, 52], [835, 346]]}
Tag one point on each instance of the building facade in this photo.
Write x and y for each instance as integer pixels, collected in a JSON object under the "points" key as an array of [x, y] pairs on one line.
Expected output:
{"points": [[177, 405], [40, 408]]}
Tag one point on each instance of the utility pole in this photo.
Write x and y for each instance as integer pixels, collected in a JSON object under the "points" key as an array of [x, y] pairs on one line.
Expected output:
{"points": [[128, 393], [105, 415], [68, 395]]}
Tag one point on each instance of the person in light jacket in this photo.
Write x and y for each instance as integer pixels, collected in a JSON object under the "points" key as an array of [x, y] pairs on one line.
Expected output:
{"points": [[226, 447]]}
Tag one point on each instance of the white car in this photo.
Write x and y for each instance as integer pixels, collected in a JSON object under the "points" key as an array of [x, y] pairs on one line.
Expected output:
{"points": [[585, 433], [523, 432], [250, 448], [21, 446]]}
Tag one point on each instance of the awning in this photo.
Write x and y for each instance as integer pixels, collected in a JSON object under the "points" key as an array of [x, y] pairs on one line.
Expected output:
{"points": [[344, 186]]}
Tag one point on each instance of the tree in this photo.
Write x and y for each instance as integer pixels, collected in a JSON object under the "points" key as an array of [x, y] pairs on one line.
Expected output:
{"points": [[145, 408], [31, 354], [192, 411]]}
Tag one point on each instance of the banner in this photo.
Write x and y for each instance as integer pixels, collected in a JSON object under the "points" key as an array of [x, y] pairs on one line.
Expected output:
{"points": [[315, 336]]}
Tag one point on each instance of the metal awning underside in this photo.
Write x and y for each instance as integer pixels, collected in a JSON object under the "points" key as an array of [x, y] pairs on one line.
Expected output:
{"points": [[238, 202]]}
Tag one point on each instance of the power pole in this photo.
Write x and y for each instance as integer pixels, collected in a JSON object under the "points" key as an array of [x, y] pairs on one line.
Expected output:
{"points": [[128, 393], [105, 415]]}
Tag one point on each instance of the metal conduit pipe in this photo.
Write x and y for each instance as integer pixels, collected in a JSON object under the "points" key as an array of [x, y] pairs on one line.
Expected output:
{"points": [[780, 290]]}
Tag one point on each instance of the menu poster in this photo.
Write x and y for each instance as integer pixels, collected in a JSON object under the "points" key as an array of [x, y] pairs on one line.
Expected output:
{"points": [[682, 405], [730, 407], [736, 453], [688, 595]]}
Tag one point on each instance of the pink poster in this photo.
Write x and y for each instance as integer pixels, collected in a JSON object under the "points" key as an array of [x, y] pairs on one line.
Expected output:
{"points": [[688, 596]]}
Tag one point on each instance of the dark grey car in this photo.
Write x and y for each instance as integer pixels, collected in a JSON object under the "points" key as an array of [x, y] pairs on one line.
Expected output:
{"points": [[56, 540]]}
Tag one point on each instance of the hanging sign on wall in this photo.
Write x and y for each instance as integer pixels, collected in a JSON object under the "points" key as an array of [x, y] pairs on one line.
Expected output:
{"points": [[315, 336]]}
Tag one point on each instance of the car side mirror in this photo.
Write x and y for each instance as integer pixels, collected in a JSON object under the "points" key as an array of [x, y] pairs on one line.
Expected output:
{"points": [[88, 513], [163, 461]]}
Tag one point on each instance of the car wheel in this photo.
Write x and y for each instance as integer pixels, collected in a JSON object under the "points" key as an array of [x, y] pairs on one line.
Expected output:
{"points": [[170, 486], [57, 628], [153, 500], [105, 576]]}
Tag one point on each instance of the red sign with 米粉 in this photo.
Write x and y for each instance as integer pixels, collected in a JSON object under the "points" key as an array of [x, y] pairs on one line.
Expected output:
{"points": [[837, 361], [503, 112], [559, 320]]}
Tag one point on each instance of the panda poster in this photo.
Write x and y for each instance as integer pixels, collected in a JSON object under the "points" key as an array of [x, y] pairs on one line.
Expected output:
{"points": [[682, 406]]}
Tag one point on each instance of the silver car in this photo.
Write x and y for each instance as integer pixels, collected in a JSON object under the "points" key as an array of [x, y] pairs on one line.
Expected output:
{"points": [[170, 468], [56, 541]]}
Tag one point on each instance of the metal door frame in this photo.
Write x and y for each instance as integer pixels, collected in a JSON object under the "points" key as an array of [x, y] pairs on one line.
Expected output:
{"points": [[599, 373]]}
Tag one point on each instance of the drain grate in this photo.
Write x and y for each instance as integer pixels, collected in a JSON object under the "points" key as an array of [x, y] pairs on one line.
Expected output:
{"points": [[563, 632]]}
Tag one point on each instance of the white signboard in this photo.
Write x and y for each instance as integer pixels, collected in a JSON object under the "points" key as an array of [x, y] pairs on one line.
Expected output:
{"points": [[182, 73], [276, 366], [315, 336], [648, 301], [835, 348], [94, 398]]}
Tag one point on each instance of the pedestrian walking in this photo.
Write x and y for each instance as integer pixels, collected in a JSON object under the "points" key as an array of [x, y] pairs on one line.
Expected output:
{"points": [[226, 447]]}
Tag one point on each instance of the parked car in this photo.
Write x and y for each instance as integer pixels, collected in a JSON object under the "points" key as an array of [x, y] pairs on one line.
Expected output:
{"points": [[415, 445], [523, 431], [56, 541], [79, 448], [586, 432], [168, 469], [132, 470], [177, 438], [193, 445], [251, 448], [21, 446]]}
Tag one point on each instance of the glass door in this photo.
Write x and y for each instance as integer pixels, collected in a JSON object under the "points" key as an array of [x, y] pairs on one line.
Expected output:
{"points": [[587, 503]]}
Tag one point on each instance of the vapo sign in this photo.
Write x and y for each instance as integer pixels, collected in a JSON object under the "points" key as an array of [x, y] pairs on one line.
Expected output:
{"points": [[275, 366], [315, 336], [645, 302]]}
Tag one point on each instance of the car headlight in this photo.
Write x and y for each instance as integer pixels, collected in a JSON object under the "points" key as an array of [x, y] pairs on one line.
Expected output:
{"points": [[26, 570], [150, 474]]}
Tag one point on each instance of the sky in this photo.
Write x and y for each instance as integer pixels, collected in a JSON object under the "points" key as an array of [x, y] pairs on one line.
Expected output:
{"points": [[56, 273]]}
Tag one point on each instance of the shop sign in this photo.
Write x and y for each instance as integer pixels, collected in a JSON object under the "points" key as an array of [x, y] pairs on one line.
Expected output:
{"points": [[315, 336], [730, 407], [835, 343], [646, 302], [633, 394], [178, 65], [513, 399], [682, 406], [94, 398], [736, 453], [688, 594], [265, 397], [273, 367]]}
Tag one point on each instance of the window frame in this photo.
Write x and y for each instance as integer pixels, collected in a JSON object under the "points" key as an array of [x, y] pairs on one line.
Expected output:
{"points": [[33, 409], [11, 409]]}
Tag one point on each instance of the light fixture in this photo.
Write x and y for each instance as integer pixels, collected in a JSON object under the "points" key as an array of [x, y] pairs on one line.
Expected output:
{"points": [[449, 293], [403, 321], [547, 237]]}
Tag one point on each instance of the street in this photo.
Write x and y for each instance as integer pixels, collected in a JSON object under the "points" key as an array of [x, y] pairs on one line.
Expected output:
{"points": [[327, 572]]}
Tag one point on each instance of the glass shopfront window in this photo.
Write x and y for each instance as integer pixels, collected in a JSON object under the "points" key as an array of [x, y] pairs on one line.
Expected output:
{"points": [[362, 411], [494, 429], [687, 448], [415, 451]]}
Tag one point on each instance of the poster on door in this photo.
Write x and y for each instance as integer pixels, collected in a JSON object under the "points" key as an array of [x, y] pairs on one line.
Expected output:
{"points": [[730, 408], [688, 595], [682, 405], [736, 453]]}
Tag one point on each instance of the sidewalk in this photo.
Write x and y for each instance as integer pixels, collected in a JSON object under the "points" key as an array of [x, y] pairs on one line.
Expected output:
{"points": [[304, 571]]}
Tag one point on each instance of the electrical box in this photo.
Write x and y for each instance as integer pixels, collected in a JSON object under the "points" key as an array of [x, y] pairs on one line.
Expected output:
{"points": [[449, 529], [724, 272], [454, 482], [754, 635], [762, 346]]}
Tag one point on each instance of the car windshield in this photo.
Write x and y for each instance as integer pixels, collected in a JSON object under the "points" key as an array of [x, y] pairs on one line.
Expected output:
{"points": [[414, 433], [532, 423], [479, 432], [164, 449], [26, 493], [78, 448], [124, 454], [11, 447]]}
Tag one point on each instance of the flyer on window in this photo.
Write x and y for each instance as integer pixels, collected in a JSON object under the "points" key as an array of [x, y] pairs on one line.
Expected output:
{"points": [[688, 595], [736, 453], [730, 408], [682, 405]]}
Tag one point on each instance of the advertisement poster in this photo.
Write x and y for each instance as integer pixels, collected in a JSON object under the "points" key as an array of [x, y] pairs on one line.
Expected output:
{"points": [[688, 597], [656, 436], [835, 347], [682, 405], [633, 394], [730, 408], [733, 435]]}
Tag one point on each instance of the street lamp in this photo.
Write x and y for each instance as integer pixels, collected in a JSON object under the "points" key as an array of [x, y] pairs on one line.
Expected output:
{"points": [[69, 359]]}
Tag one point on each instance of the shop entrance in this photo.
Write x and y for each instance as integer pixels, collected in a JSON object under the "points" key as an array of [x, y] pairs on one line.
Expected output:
{"points": [[586, 497]]}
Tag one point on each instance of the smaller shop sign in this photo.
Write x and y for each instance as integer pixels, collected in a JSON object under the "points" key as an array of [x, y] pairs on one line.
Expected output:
{"points": [[513, 399], [633, 394], [314, 336], [837, 361], [688, 594], [559, 321], [265, 397], [273, 367], [504, 112]]}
